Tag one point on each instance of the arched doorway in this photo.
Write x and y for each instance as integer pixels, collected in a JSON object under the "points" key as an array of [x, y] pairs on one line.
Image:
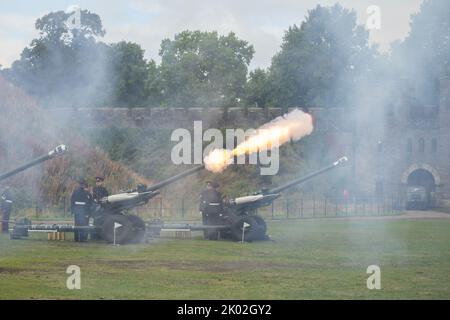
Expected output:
{"points": [[423, 178], [420, 175]]}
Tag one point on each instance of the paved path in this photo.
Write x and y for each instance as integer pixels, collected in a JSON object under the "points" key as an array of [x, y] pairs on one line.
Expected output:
{"points": [[402, 216]]}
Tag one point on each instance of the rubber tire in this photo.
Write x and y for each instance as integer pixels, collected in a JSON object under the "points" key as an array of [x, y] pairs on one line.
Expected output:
{"points": [[137, 234], [212, 235], [251, 232], [123, 233], [262, 228]]}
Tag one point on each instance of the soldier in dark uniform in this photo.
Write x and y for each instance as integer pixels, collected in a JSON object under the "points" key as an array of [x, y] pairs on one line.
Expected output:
{"points": [[203, 201], [6, 206], [99, 192], [81, 203], [211, 205]]}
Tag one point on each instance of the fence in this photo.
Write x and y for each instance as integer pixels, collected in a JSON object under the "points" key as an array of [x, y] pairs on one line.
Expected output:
{"points": [[178, 208]]}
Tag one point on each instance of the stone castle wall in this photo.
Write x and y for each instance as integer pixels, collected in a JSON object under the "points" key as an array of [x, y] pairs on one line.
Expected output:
{"points": [[180, 117], [371, 165]]}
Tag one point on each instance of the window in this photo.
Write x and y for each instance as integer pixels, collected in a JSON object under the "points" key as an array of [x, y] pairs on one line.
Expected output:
{"points": [[421, 145], [409, 146], [434, 145]]}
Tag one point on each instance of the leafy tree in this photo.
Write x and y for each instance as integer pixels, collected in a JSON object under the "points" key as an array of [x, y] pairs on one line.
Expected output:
{"points": [[129, 72], [64, 65], [424, 56], [154, 85], [203, 69], [258, 88], [321, 59]]}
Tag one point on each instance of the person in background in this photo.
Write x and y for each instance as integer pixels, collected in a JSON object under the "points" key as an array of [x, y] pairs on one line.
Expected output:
{"points": [[99, 192], [6, 206], [81, 204]]}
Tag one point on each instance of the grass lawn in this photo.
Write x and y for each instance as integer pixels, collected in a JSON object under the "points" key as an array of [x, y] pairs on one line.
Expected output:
{"points": [[309, 259]]}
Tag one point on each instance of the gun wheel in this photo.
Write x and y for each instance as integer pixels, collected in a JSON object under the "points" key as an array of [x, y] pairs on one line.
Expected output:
{"points": [[247, 226], [123, 232], [137, 233], [262, 228]]}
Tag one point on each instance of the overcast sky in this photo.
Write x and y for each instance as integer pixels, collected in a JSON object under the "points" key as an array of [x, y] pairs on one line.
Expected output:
{"points": [[261, 22]]}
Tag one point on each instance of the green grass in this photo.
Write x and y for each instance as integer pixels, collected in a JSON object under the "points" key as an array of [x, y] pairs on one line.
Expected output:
{"points": [[309, 259]]}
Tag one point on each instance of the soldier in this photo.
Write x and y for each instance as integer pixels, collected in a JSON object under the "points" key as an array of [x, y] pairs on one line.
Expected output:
{"points": [[211, 203], [81, 203], [203, 196], [6, 206], [99, 192]]}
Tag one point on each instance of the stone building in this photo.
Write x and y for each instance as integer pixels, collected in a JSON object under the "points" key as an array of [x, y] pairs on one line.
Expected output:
{"points": [[409, 145]]}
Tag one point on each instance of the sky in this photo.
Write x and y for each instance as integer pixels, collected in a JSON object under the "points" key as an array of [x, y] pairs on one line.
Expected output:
{"points": [[260, 22]]}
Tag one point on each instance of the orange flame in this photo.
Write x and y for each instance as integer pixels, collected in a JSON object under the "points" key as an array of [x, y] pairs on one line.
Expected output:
{"points": [[294, 125]]}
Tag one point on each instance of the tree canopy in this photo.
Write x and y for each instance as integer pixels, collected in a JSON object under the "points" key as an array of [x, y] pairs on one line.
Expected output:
{"points": [[129, 73], [424, 56], [203, 69], [320, 59], [68, 66], [321, 62], [258, 88], [63, 65]]}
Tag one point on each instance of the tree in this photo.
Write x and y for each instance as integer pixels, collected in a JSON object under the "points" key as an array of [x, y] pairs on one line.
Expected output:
{"points": [[203, 69], [424, 56], [64, 65], [258, 88], [154, 85], [321, 60], [129, 73]]}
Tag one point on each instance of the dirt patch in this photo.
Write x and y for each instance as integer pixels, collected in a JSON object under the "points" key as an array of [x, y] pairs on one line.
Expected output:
{"points": [[425, 215], [246, 265], [11, 270], [226, 266], [407, 215]]}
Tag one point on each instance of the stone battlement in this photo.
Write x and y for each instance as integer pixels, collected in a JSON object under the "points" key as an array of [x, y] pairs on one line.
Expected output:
{"points": [[325, 119]]}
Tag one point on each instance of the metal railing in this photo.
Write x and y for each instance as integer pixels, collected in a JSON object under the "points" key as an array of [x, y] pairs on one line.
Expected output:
{"points": [[180, 208]]}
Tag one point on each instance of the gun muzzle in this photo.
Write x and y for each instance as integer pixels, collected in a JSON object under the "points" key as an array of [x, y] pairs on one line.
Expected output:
{"points": [[59, 150], [340, 161]]}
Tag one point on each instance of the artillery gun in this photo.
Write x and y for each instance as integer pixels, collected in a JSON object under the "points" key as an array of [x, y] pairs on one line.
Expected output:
{"points": [[239, 219], [59, 150], [112, 220], [112, 211]]}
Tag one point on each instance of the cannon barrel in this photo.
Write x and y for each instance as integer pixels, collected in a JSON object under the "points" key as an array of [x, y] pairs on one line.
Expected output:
{"points": [[174, 178], [137, 197], [51, 154], [307, 177]]}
